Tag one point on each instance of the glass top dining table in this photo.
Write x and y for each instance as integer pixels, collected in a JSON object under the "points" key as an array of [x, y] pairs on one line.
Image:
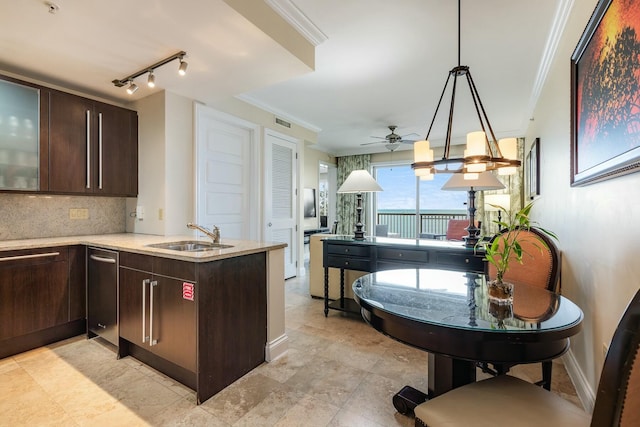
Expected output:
{"points": [[450, 315]]}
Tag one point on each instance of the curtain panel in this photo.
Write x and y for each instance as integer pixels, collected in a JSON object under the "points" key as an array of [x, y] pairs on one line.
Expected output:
{"points": [[514, 186], [346, 203]]}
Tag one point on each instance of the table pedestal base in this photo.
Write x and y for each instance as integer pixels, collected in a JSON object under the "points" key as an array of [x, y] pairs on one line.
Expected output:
{"points": [[446, 373]]}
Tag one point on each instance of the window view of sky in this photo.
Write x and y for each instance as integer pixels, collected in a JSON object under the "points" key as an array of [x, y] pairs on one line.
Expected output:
{"points": [[399, 185]]}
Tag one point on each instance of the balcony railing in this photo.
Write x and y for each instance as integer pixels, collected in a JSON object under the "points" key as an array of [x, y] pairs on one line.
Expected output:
{"points": [[404, 224]]}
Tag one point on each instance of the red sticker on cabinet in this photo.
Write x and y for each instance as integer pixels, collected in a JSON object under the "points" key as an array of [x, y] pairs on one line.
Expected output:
{"points": [[187, 291]]}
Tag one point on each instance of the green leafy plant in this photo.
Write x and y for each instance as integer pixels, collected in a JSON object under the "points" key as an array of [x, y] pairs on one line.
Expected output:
{"points": [[505, 247]]}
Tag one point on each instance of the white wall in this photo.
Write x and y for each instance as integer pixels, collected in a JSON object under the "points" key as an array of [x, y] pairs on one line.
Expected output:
{"points": [[151, 164], [596, 224], [179, 164], [165, 176]]}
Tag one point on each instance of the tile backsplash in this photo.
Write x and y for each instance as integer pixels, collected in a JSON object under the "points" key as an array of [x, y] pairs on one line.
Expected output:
{"points": [[26, 216]]}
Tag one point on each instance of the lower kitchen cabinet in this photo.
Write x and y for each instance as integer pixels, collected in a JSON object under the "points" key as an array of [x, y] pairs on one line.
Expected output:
{"points": [[35, 299], [204, 324], [154, 313]]}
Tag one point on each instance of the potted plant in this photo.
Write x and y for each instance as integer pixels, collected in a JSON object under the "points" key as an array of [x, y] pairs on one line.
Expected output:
{"points": [[506, 248]]}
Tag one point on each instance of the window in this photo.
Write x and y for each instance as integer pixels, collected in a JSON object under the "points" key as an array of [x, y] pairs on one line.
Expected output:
{"points": [[398, 205]]}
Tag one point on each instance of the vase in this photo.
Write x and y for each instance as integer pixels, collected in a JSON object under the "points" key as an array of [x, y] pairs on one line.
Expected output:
{"points": [[500, 292]]}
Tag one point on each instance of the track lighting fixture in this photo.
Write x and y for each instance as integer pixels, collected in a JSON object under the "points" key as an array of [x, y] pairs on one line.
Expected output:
{"points": [[132, 88], [182, 70], [151, 80]]}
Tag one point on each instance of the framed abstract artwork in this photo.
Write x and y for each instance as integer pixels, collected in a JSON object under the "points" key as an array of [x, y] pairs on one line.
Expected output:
{"points": [[605, 94], [532, 169]]}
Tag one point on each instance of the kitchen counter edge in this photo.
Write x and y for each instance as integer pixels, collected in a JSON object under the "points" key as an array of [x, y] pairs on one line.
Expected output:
{"points": [[137, 243]]}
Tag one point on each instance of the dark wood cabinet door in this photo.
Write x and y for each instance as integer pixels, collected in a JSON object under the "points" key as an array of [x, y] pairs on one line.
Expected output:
{"points": [[116, 157], [173, 318], [34, 292], [131, 310], [70, 142]]}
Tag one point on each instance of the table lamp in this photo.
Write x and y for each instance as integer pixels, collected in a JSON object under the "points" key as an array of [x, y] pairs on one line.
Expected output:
{"points": [[484, 181], [493, 203], [359, 181]]}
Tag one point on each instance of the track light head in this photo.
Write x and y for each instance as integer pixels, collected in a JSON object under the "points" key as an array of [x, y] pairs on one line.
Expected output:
{"points": [[151, 81], [132, 88], [182, 70]]}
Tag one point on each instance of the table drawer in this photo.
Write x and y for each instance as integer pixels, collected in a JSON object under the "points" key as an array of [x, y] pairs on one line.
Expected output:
{"points": [[458, 261], [363, 251], [392, 254], [348, 263]]}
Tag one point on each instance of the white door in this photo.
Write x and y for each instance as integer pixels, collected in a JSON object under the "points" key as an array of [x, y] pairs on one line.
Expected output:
{"points": [[280, 213], [227, 175]]}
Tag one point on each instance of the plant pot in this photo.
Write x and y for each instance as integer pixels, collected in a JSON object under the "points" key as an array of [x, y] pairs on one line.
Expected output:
{"points": [[500, 292]]}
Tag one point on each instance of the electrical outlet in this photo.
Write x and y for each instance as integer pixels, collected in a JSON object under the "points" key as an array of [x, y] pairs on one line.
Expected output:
{"points": [[139, 213], [78, 213]]}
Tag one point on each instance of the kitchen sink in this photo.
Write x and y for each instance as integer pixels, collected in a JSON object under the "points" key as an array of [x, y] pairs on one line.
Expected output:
{"points": [[190, 246]]}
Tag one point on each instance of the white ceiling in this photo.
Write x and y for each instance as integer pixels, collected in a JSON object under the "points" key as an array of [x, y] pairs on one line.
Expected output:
{"points": [[383, 62]]}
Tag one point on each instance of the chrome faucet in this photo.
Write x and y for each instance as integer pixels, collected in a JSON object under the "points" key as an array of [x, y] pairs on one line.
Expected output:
{"points": [[215, 234]]}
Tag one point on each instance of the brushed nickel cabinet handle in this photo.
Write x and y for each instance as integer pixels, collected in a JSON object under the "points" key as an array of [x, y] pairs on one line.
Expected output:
{"points": [[19, 257], [145, 338], [88, 148], [152, 341]]}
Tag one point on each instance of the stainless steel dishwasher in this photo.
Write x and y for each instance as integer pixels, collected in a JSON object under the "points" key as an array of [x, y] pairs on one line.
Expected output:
{"points": [[102, 294]]}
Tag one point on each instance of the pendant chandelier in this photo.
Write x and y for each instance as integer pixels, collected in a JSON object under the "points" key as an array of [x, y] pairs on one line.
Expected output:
{"points": [[483, 151]]}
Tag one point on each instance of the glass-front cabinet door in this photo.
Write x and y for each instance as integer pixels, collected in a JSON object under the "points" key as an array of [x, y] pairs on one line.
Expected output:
{"points": [[19, 136]]}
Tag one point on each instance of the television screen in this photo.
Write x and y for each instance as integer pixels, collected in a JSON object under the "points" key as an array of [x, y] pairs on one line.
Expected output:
{"points": [[309, 202]]}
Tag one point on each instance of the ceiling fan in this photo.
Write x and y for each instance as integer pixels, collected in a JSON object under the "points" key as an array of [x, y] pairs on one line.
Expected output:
{"points": [[392, 141]]}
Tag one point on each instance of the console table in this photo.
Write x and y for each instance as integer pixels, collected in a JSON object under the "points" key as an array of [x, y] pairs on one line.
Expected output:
{"points": [[383, 253]]}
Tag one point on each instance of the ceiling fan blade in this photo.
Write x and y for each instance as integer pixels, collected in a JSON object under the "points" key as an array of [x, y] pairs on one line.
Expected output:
{"points": [[370, 143], [411, 134], [378, 137]]}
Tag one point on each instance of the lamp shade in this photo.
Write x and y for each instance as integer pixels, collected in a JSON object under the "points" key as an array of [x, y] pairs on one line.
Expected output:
{"points": [[485, 181], [359, 181], [495, 201]]}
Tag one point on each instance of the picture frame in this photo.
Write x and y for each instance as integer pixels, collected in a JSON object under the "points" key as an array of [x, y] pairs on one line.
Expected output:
{"points": [[533, 170], [605, 119]]}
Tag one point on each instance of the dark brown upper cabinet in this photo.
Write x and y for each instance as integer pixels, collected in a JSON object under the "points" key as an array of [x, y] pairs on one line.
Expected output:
{"points": [[93, 147]]}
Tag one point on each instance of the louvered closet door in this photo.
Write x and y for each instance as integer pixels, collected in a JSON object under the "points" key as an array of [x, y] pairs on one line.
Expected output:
{"points": [[280, 196]]}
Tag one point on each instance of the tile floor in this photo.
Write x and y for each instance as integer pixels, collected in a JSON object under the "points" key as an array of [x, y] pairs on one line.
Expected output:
{"points": [[338, 372]]}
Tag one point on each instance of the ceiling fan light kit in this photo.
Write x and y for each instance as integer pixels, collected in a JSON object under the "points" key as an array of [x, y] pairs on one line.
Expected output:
{"points": [[151, 80], [483, 151]]}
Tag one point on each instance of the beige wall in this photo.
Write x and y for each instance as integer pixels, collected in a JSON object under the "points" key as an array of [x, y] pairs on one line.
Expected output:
{"points": [[596, 224]]}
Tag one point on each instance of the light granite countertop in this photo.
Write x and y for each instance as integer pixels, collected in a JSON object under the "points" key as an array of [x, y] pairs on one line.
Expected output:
{"points": [[137, 243]]}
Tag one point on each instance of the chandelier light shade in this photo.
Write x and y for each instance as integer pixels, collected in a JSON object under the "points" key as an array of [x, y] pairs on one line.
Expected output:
{"points": [[359, 181], [483, 151], [484, 181], [151, 80]]}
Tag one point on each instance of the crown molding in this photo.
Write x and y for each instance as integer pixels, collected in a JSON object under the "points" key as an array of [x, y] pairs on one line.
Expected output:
{"points": [[298, 20], [548, 55]]}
